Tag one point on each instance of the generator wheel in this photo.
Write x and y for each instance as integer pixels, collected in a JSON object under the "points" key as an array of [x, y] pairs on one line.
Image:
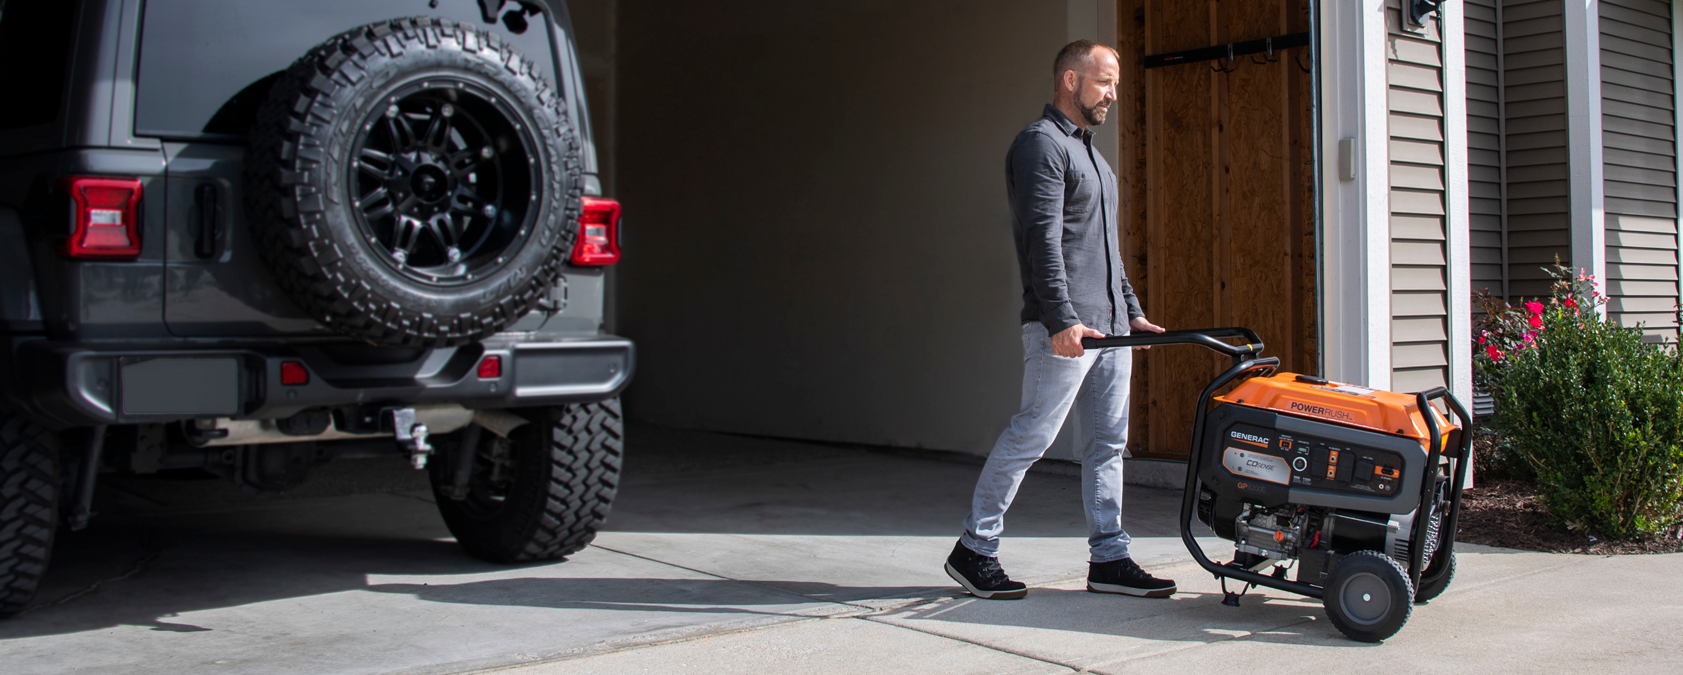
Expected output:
{"points": [[1368, 596], [1431, 588]]}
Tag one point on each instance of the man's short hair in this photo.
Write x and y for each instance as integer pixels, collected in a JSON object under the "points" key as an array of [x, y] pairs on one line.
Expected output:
{"points": [[1075, 56]]}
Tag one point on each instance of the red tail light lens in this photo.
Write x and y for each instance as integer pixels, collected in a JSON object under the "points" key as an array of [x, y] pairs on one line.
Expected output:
{"points": [[491, 368], [598, 242], [293, 374], [106, 212]]}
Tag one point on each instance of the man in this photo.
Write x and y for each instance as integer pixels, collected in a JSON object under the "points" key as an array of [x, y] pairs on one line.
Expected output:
{"points": [[1063, 200]]}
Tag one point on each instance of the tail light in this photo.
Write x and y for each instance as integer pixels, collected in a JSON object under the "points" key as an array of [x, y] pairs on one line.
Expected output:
{"points": [[294, 374], [106, 213], [598, 241], [491, 367]]}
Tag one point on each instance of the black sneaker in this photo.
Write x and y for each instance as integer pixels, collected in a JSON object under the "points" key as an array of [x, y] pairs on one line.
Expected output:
{"points": [[982, 576], [1125, 577]]}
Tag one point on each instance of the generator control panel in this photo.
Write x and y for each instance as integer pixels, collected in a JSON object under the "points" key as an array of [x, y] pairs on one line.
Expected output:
{"points": [[1308, 462]]}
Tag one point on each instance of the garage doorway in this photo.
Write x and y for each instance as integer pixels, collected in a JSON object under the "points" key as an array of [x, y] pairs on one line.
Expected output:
{"points": [[1218, 209]]}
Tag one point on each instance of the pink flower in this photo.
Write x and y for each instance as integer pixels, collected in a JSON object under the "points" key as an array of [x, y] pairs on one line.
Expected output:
{"points": [[1535, 321], [1481, 339], [1529, 337], [1572, 304], [1494, 353], [1534, 307]]}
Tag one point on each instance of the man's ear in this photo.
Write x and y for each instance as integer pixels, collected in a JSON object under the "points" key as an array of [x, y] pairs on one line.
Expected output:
{"points": [[1071, 82]]}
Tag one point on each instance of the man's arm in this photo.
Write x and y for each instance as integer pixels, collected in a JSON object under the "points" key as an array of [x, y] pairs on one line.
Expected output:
{"points": [[1037, 169], [1132, 302]]}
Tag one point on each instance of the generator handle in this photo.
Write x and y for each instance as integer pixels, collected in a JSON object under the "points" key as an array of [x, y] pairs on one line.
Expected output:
{"points": [[1206, 337], [1423, 401]]}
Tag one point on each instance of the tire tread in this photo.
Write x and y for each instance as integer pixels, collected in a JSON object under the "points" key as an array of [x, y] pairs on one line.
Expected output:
{"points": [[287, 154], [28, 508]]}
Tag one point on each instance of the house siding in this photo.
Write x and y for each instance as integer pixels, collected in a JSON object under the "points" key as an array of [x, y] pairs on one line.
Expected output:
{"points": [[1486, 207], [1418, 232], [1535, 157], [1639, 157]]}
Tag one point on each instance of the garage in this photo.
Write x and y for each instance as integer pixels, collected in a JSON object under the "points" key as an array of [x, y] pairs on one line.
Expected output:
{"points": [[817, 238]]}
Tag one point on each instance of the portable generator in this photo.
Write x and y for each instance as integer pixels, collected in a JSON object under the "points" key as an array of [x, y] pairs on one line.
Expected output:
{"points": [[1328, 490]]}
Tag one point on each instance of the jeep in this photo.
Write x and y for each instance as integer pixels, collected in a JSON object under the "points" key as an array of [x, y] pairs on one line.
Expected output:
{"points": [[248, 237]]}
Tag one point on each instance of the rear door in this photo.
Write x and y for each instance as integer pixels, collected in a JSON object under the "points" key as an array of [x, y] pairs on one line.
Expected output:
{"points": [[205, 67]]}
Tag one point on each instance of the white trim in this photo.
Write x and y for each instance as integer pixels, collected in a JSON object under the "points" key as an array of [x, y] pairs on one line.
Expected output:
{"points": [[1583, 134], [1356, 247], [1452, 27], [1677, 121]]}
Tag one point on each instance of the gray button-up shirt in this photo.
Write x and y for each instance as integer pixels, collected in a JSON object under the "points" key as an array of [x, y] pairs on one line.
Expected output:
{"points": [[1063, 214]]}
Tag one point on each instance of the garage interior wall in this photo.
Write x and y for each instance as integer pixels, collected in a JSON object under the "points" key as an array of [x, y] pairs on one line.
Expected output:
{"points": [[816, 237]]}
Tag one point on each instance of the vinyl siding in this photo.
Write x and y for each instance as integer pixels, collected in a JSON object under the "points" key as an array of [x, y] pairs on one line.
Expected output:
{"points": [[1419, 265], [1538, 230], [1488, 246], [1639, 158]]}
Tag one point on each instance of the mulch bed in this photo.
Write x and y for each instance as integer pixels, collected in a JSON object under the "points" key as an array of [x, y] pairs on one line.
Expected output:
{"points": [[1506, 513]]}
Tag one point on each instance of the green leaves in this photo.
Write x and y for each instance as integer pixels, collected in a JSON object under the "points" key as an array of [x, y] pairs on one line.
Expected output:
{"points": [[1591, 411]]}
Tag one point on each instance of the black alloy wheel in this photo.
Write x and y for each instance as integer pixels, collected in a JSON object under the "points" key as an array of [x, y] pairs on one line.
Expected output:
{"points": [[415, 183], [444, 187]]}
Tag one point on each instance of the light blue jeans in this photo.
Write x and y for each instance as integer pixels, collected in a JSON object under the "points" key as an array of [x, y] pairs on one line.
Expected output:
{"points": [[1096, 385]]}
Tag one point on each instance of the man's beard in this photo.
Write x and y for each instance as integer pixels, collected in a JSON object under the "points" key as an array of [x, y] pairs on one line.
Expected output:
{"points": [[1094, 114]]}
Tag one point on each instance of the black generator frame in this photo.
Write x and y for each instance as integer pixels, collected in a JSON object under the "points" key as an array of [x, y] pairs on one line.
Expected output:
{"points": [[1248, 362]]}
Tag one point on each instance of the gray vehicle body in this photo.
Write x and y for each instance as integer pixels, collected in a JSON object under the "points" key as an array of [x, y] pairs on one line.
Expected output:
{"points": [[142, 97]]}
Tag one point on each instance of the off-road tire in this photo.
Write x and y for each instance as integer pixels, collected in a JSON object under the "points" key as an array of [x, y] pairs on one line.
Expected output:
{"points": [[29, 487], [564, 472], [299, 173], [1379, 616]]}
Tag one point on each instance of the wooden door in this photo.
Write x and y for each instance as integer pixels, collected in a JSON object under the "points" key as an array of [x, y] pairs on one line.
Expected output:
{"points": [[1218, 210]]}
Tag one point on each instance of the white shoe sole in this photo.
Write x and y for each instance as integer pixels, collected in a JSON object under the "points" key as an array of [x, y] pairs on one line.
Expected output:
{"points": [[1129, 590], [985, 595]]}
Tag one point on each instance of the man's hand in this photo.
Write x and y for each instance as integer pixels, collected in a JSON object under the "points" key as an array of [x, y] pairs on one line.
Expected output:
{"points": [[1068, 341], [1140, 323]]}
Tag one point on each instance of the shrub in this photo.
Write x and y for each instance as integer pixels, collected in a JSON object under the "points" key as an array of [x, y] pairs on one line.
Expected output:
{"points": [[1595, 414]]}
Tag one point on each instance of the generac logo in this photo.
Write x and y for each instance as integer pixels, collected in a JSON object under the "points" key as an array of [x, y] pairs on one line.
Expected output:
{"points": [[1249, 438], [1322, 411]]}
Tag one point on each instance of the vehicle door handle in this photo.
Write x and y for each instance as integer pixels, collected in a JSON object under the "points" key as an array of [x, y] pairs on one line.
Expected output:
{"points": [[209, 241]]}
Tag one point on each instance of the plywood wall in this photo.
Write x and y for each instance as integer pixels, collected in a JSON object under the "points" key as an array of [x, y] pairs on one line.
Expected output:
{"points": [[1218, 200]]}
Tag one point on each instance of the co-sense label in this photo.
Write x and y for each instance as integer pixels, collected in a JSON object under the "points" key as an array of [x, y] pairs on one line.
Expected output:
{"points": [[1256, 465]]}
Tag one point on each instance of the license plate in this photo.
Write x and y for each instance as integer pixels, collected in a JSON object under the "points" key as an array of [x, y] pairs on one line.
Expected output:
{"points": [[171, 386]]}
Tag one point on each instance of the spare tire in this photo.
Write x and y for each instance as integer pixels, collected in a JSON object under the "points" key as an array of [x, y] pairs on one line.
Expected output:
{"points": [[414, 183]]}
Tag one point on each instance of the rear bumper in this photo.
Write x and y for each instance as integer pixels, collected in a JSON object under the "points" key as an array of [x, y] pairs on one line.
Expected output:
{"points": [[67, 385]]}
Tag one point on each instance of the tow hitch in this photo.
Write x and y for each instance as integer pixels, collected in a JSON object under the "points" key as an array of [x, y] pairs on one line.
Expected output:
{"points": [[412, 435]]}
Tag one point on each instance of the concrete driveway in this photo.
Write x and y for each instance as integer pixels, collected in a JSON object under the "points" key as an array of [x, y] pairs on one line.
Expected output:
{"points": [[727, 554]]}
